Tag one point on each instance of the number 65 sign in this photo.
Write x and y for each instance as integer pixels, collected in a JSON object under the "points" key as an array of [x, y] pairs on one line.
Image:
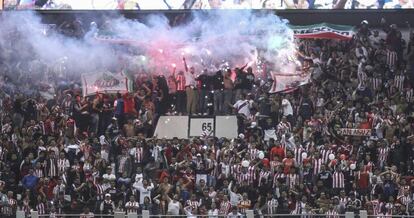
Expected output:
{"points": [[199, 126]]}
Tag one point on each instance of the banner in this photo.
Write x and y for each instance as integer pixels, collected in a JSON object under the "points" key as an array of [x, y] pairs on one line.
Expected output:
{"points": [[105, 82], [288, 82], [354, 132], [323, 31]]}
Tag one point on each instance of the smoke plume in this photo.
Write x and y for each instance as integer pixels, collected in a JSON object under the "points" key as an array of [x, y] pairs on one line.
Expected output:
{"points": [[210, 40]]}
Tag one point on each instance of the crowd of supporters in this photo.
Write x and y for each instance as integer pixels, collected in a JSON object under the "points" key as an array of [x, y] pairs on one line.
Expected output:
{"points": [[62, 153]]}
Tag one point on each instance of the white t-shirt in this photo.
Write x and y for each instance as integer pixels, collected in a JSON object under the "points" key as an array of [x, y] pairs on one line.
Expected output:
{"points": [[243, 107], [189, 79], [287, 107], [173, 208], [213, 213]]}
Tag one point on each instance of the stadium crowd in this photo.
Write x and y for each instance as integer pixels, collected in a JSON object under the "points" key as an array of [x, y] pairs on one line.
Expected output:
{"points": [[62, 153]]}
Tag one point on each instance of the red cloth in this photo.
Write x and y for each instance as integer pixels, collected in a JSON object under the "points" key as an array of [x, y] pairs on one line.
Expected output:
{"points": [[365, 125], [279, 151], [129, 105], [363, 180]]}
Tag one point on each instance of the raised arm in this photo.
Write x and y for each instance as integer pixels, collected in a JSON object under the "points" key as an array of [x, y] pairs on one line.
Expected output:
{"points": [[185, 64]]}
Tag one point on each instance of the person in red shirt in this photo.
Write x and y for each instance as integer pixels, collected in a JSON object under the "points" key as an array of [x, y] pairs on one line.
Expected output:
{"points": [[129, 105], [278, 151], [288, 163]]}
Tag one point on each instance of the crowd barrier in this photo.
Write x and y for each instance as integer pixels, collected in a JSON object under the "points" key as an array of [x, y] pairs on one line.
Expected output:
{"points": [[249, 214]]}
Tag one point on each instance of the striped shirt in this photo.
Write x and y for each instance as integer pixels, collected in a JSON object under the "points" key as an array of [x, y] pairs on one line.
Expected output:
{"points": [[391, 58], [235, 169], [338, 180], [41, 208], [325, 155], [383, 154], [399, 82], [409, 94], [132, 207], [244, 205], [26, 206], [376, 83], [276, 177], [62, 165], [253, 152], [99, 192], [292, 180], [298, 155], [224, 208], [193, 204], [245, 177], [317, 163], [405, 200], [272, 206], [263, 177], [332, 214], [52, 168], [10, 207], [180, 79], [138, 154], [38, 173]]}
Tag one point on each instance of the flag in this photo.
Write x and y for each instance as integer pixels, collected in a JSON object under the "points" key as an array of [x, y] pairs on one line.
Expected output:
{"points": [[323, 31], [288, 82]]}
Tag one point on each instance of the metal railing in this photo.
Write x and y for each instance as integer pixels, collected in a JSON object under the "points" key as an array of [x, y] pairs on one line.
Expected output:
{"points": [[249, 214]]}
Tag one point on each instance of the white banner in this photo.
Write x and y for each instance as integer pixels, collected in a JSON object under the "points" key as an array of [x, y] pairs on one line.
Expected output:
{"points": [[104, 82], [354, 132], [288, 82]]}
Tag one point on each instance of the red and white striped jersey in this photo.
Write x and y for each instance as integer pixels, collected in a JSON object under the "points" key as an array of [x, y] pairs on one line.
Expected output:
{"points": [[26, 206], [253, 152], [180, 79], [138, 154], [343, 200], [338, 180], [224, 208], [405, 199], [272, 206], [62, 165], [383, 154], [193, 204], [399, 82], [278, 176], [376, 83], [244, 205], [41, 208], [51, 168], [292, 180], [132, 207], [263, 176], [391, 58], [10, 207], [325, 155], [235, 169], [298, 155], [100, 192], [245, 177], [332, 214], [38, 173], [252, 172], [376, 207], [316, 164], [409, 94]]}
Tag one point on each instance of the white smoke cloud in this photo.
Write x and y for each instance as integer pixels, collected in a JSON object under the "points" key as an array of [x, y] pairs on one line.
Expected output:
{"points": [[209, 40]]}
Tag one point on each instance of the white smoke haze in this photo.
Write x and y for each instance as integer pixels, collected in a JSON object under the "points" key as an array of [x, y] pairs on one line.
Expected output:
{"points": [[210, 40]]}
